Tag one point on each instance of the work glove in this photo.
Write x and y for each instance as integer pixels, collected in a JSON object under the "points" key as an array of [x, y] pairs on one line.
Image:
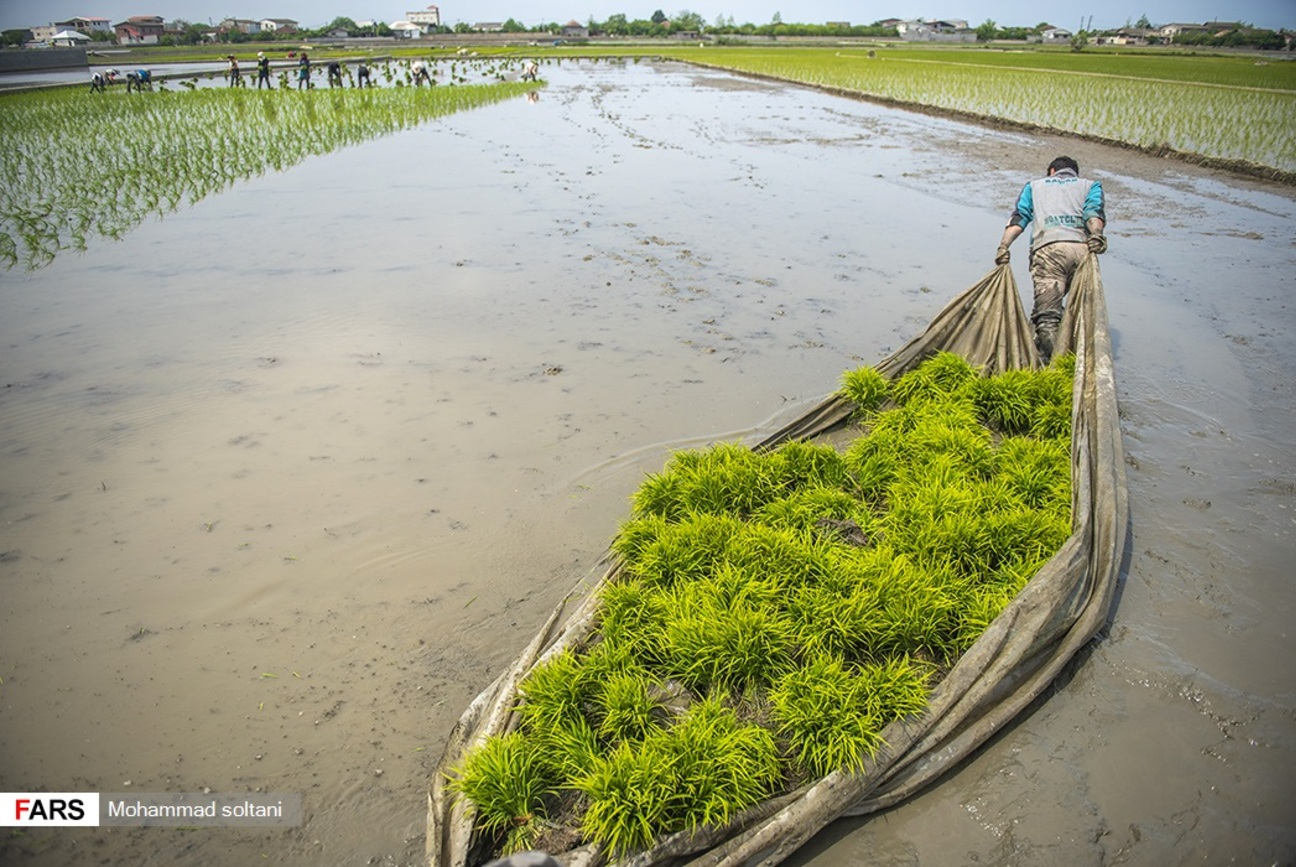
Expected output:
{"points": [[1097, 243], [1002, 256]]}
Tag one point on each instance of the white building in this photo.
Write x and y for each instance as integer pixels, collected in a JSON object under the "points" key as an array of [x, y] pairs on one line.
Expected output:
{"points": [[406, 30], [270, 25], [429, 19]]}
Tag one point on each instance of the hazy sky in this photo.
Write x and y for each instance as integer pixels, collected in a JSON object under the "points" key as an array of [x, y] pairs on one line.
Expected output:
{"points": [[1273, 14]]}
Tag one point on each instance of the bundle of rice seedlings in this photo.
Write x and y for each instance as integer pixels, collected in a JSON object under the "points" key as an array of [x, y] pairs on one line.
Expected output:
{"points": [[817, 592]]}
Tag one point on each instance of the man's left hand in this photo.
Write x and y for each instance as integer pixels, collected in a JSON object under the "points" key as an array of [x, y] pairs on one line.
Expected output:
{"points": [[1097, 243]]}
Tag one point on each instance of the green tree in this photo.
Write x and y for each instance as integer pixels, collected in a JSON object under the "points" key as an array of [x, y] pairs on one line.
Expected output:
{"points": [[1143, 22], [686, 20], [987, 31], [777, 19], [340, 23], [511, 26], [1079, 40], [616, 25], [658, 17]]}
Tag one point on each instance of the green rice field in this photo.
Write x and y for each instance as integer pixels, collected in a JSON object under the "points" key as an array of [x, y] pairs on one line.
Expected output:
{"points": [[77, 165], [1224, 109]]}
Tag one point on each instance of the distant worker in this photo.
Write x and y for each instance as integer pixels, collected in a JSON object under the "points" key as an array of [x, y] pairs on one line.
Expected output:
{"points": [[98, 82], [1069, 213], [234, 78], [263, 70], [421, 74], [138, 79], [530, 71], [110, 75], [303, 72], [334, 73], [362, 75]]}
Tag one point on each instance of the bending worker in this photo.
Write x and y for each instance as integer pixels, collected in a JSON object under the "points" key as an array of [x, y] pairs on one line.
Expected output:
{"points": [[1069, 216]]}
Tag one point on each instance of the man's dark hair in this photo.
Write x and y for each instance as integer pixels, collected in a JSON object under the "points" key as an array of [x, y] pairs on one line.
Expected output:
{"points": [[1063, 163]]}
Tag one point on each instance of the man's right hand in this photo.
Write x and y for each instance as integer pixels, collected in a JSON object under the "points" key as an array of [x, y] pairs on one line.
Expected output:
{"points": [[1097, 243], [1001, 255]]}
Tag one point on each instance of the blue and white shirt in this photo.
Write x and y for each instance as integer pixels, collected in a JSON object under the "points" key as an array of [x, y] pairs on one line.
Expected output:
{"points": [[1059, 205]]}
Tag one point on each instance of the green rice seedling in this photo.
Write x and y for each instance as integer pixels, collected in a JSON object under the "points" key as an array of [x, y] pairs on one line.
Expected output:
{"points": [[726, 479], [637, 534], [661, 496], [1035, 472], [798, 464], [632, 617], [866, 388], [554, 694], [724, 765], [568, 751], [625, 710], [1001, 406], [873, 462], [920, 611], [711, 641], [685, 551], [1023, 535], [822, 712], [807, 582], [819, 510], [703, 770], [894, 688], [1052, 421], [835, 622], [782, 556], [630, 798], [936, 378], [506, 780], [978, 607], [956, 441], [924, 496]]}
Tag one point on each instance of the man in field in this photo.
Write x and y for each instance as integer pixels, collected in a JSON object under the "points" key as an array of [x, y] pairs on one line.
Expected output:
{"points": [[139, 79], [1069, 216], [263, 70]]}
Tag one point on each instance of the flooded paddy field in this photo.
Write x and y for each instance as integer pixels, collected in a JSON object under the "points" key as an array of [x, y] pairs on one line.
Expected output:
{"points": [[289, 475]]}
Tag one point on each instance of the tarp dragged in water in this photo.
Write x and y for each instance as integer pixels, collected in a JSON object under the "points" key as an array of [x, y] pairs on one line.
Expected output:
{"points": [[1060, 609]]}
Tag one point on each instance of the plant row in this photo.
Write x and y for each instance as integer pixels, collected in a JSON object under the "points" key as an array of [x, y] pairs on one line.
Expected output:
{"points": [[76, 165]]}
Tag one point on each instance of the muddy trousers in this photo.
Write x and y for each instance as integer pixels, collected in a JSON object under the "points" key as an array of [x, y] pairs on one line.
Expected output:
{"points": [[1052, 267]]}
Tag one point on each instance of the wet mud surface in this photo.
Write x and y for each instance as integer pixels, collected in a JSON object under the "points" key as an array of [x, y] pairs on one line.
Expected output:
{"points": [[288, 476]]}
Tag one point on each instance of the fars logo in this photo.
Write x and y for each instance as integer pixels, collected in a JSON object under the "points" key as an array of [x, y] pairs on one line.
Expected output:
{"points": [[48, 809]]}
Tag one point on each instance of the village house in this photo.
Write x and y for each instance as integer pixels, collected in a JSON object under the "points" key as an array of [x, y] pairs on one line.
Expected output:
{"points": [[278, 25], [952, 30], [84, 25], [140, 30], [405, 30], [575, 30], [241, 25]]}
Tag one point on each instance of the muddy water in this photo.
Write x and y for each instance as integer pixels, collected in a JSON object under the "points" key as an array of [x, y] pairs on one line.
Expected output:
{"points": [[289, 475]]}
